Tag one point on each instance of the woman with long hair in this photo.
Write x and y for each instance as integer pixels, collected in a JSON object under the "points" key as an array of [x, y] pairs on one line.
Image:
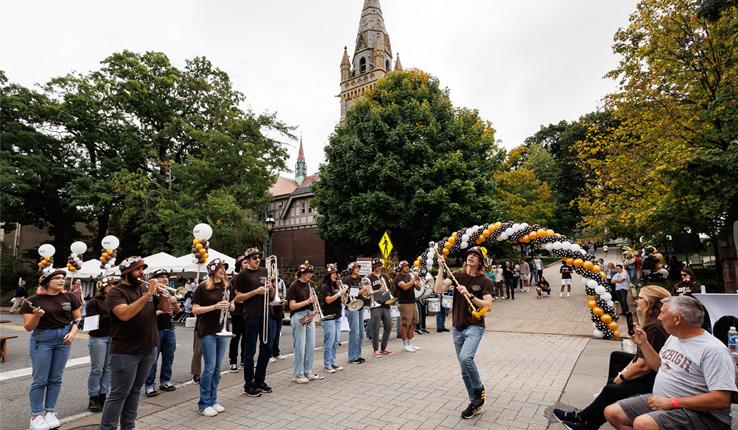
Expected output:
{"points": [[330, 299], [688, 284], [629, 374], [53, 318], [207, 304], [98, 382]]}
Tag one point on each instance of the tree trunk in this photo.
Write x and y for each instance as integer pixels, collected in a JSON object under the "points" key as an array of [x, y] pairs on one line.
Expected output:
{"points": [[726, 259]]}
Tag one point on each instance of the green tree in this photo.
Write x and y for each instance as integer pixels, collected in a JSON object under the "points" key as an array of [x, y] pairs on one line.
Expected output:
{"points": [[408, 161], [672, 158], [524, 197]]}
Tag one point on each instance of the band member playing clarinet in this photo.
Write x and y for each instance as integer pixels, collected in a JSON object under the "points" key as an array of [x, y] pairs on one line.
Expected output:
{"points": [[381, 313], [209, 304], [409, 314], [468, 328], [252, 292], [133, 341], [53, 318]]}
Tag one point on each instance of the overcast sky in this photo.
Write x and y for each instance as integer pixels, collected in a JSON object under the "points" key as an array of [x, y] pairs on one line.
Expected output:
{"points": [[522, 64]]}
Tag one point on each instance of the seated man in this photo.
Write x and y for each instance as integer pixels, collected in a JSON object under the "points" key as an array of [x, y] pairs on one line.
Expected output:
{"points": [[695, 379]]}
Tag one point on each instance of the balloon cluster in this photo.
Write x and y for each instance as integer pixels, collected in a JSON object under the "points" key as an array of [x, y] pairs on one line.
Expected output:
{"points": [[604, 317], [74, 262], [109, 244], [46, 251], [202, 233]]}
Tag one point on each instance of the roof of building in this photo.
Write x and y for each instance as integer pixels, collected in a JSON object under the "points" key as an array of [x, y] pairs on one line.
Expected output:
{"points": [[286, 186]]}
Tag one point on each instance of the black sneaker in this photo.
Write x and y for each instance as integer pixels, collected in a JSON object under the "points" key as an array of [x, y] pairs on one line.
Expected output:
{"points": [[360, 360], [196, 379], [263, 387], [234, 367], [575, 425], [470, 411], [252, 391], [479, 396], [563, 415], [94, 405]]}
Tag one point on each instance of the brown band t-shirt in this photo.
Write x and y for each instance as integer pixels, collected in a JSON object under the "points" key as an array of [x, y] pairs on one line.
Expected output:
{"points": [[333, 308], [96, 306], [249, 280], [137, 335], [479, 286], [352, 282], [405, 297], [299, 292], [377, 287], [209, 322], [57, 309]]}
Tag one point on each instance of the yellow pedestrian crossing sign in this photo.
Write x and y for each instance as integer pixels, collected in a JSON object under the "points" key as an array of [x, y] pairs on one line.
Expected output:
{"points": [[385, 245]]}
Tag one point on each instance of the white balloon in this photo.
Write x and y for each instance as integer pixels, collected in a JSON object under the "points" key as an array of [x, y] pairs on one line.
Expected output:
{"points": [[510, 231], [566, 245], [599, 289], [108, 266], [591, 283], [202, 231], [548, 246], [110, 242], [583, 251], [502, 237], [516, 226], [598, 334], [464, 245], [78, 247], [194, 259], [610, 303], [575, 247], [524, 225], [46, 250], [606, 296], [557, 245], [465, 237]]}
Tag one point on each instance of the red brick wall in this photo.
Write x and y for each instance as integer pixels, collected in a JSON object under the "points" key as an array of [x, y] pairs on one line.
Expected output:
{"points": [[293, 247]]}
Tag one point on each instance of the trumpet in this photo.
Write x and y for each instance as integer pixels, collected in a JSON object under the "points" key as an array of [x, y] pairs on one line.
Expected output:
{"points": [[271, 278], [344, 291], [224, 316], [477, 314]]}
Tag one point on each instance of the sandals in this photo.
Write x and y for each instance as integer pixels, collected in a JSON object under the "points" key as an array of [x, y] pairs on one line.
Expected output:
{"points": [[377, 354], [388, 352]]}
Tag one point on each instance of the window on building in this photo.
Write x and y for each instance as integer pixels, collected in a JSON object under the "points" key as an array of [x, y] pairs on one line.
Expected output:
{"points": [[303, 206], [362, 65], [386, 65]]}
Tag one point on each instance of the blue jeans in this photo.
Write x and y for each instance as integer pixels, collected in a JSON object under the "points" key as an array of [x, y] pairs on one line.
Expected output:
{"points": [[466, 342], [441, 317], [99, 380], [127, 376], [303, 344], [356, 333], [213, 350], [48, 357], [252, 334], [331, 337], [167, 346], [632, 275]]}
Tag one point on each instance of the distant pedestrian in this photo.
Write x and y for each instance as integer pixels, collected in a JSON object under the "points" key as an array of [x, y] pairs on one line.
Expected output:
{"points": [[524, 275], [537, 268], [565, 270], [21, 292]]}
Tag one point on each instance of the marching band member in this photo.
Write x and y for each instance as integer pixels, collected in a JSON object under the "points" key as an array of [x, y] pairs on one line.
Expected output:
{"points": [[166, 307], [53, 318], [330, 298], [98, 382], [381, 313], [409, 314], [356, 318], [208, 304], [301, 298], [251, 291], [237, 319], [468, 330], [134, 338]]}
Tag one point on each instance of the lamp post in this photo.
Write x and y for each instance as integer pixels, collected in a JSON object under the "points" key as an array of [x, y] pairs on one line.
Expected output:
{"points": [[269, 221]]}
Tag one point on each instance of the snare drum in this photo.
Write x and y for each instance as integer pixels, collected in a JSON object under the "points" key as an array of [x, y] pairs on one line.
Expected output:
{"points": [[394, 311], [434, 305], [448, 302]]}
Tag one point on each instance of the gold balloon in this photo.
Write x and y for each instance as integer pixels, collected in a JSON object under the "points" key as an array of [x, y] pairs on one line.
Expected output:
{"points": [[596, 268], [598, 311], [616, 334], [416, 264], [525, 239], [445, 252], [533, 235], [588, 265], [569, 261], [578, 262], [591, 304], [613, 326], [549, 232], [606, 318], [603, 275]]}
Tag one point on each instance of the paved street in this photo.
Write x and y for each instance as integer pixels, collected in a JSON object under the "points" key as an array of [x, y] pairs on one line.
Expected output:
{"points": [[535, 354]]}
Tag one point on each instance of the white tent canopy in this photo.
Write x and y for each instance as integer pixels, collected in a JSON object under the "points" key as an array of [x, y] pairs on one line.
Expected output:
{"points": [[160, 260], [184, 265], [90, 269]]}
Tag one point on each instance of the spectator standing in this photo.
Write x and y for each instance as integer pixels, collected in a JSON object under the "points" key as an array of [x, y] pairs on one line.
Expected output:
{"points": [[565, 270], [507, 273], [21, 292], [622, 284], [688, 284], [537, 268], [524, 275], [499, 282]]}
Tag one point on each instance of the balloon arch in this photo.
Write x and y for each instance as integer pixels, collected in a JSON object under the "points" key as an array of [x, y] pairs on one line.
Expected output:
{"points": [[602, 308]]}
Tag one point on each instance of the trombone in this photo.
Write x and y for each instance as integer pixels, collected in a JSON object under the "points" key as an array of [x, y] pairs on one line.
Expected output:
{"points": [[392, 299], [476, 313], [366, 283], [273, 279]]}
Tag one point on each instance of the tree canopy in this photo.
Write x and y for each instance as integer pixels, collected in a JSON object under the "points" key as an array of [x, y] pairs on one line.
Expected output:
{"points": [[408, 161], [141, 149]]}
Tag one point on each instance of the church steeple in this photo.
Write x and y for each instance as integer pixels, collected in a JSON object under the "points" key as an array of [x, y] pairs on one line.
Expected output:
{"points": [[301, 166], [398, 65], [372, 58]]}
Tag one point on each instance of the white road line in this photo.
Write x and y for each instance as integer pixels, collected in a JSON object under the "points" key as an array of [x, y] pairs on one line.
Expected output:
{"points": [[19, 373]]}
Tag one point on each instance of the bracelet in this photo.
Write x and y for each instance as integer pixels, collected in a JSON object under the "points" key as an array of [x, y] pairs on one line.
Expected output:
{"points": [[675, 402]]}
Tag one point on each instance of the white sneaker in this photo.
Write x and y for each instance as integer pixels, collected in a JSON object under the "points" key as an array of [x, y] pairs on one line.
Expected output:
{"points": [[209, 412], [302, 380], [561, 295], [330, 370], [218, 408], [337, 367], [39, 423], [568, 294], [273, 360], [408, 348], [51, 420], [314, 377], [415, 347]]}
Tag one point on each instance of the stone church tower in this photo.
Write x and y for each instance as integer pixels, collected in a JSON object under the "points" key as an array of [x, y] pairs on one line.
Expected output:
{"points": [[372, 58]]}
